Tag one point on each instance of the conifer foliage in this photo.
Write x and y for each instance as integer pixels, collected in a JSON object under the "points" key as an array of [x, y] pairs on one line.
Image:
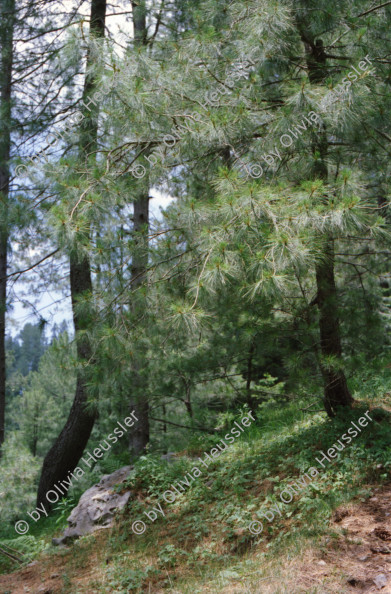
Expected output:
{"points": [[265, 124]]}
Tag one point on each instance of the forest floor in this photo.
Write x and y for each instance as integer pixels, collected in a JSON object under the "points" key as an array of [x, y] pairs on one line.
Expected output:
{"points": [[359, 561], [335, 539]]}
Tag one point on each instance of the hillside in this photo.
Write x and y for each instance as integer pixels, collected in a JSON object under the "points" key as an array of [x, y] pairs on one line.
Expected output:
{"points": [[333, 536]]}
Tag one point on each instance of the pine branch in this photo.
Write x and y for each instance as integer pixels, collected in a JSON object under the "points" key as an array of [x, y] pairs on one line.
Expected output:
{"points": [[19, 272], [195, 428], [373, 9]]}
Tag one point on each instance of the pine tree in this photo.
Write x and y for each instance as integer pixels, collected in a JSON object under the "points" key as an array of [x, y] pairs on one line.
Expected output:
{"points": [[7, 20], [68, 448], [336, 392], [230, 130], [139, 438]]}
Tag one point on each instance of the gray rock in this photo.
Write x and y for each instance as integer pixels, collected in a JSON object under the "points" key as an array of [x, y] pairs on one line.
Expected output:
{"points": [[96, 507], [380, 581]]}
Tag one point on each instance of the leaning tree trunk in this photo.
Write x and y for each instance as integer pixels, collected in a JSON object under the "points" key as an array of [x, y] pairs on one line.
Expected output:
{"points": [[7, 16], [139, 438], [68, 448], [336, 392]]}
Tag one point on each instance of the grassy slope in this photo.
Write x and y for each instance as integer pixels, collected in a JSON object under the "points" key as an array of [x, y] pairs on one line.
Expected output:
{"points": [[203, 543]]}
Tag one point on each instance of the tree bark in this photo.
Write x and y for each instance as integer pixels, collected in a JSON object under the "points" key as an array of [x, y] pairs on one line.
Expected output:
{"points": [[249, 378], [139, 438], [188, 405], [6, 40], [336, 392], [68, 448]]}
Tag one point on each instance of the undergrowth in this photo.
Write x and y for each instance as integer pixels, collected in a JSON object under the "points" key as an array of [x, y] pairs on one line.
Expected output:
{"points": [[207, 526]]}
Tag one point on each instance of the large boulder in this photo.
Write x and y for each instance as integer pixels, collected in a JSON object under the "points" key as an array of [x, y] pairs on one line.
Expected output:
{"points": [[96, 507]]}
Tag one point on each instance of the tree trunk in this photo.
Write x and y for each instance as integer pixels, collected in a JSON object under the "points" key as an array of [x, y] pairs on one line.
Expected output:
{"points": [[68, 448], [188, 405], [164, 424], [139, 438], [249, 378], [6, 40], [336, 392]]}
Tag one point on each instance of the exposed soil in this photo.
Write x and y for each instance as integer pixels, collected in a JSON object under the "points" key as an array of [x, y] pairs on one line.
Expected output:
{"points": [[358, 561], [53, 574], [366, 553]]}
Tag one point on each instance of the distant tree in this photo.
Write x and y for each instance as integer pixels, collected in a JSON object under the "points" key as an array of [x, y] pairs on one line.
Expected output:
{"points": [[47, 395], [30, 345]]}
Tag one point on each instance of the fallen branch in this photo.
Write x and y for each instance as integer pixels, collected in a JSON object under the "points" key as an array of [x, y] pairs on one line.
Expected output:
{"points": [[183, 426], [13, 557], [307, 407]]}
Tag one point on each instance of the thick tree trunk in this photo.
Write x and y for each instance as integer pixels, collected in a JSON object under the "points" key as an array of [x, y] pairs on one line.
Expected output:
{"points": [[7, 16], [336, 392], [68, 448], [139, 438]]}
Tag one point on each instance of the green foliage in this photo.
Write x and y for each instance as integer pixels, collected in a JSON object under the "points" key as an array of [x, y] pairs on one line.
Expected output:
{"points": [[25, 548], [27, 348], [224, 315], [46, 394], [123, 579], [170, 556], [64, 507], [154, 476], [18, 475]]}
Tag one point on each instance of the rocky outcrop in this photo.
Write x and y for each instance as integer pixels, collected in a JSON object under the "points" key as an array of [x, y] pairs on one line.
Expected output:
{"points": [[96, 507]]}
